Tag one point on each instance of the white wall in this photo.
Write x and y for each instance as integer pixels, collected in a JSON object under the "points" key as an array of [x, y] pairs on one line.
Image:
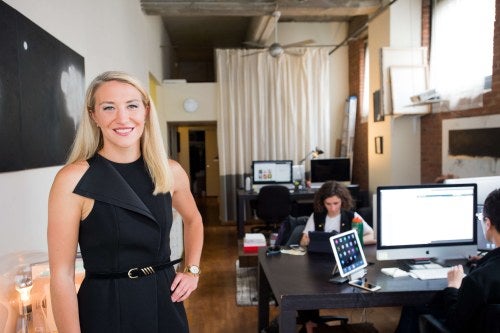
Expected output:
{"points": [[398, 27], [378, 164], [174, 94], [111, 34]]}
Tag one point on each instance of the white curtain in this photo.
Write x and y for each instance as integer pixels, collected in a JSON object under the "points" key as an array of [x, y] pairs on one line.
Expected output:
{"points": [[461, 51], [269, 108]]}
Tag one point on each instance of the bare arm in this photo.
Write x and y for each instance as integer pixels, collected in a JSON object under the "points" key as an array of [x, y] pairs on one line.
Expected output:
{"points": [[368, 235], [65, 212], [182, 200], [304, 241]]}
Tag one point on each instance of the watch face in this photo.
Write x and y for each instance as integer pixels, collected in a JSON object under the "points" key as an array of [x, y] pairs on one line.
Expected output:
{"points": [[194, 269]]}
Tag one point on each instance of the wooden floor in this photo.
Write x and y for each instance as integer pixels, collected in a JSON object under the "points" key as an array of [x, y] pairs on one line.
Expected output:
{"points": [[212, 307]]}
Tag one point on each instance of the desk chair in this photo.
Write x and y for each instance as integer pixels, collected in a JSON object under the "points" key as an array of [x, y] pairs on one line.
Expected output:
{"points": [[273, 205], [367, 214], [488, 320]]}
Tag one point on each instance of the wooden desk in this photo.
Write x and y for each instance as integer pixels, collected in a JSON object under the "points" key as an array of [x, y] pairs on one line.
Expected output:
{"points": [[244, 197], [301, 283]]}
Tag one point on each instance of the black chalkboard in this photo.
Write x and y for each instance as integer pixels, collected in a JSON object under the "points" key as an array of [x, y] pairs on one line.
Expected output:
{"points": [[41, 94], [478, 142]]}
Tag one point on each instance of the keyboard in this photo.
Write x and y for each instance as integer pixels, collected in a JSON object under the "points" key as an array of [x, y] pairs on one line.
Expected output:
{"points": [[431, 273]]}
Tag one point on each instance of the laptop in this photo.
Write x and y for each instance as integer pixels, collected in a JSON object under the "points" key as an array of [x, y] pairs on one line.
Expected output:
{"points": [[319, 242], [482, 244]]}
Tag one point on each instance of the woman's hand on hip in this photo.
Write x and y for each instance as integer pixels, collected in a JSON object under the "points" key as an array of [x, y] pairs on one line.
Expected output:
{"points": [[182, 287]]}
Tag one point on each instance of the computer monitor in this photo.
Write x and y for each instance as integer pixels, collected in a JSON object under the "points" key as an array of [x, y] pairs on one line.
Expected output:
{"points": [[338, 169], [426, 221], [485, 185], [272, 172]]}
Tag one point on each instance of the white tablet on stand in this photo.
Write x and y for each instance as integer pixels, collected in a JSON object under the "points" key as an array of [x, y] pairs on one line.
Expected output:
{"points": [[350, 260]]}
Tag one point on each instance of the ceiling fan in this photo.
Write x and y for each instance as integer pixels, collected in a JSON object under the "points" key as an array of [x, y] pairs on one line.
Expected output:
{"points": [[276, 49]]}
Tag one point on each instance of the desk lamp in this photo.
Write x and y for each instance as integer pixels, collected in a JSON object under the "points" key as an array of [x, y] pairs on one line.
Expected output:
{"points": [[299, 168], [315, 153], [24, 283]]}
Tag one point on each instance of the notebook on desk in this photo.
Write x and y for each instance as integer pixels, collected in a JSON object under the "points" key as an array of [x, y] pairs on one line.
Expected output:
{"points": [[319, 242]]}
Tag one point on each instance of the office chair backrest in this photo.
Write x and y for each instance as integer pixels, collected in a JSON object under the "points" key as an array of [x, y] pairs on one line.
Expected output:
{"points": [[273, 203], [490, 319]]}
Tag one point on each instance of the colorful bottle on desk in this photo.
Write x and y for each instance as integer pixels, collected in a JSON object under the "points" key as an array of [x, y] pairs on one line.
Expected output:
{"points": [[357, 224]]}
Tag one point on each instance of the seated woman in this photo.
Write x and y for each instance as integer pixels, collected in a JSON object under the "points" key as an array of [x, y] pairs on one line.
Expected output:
{"points": [[461, 305], [332, 212]]}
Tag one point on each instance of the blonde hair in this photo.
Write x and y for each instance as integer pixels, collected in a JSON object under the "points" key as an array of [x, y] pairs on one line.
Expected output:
{"points": [[89, 139]]}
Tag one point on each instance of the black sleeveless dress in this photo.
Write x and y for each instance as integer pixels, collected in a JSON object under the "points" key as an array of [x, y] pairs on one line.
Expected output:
{"points": [[128, 227]]}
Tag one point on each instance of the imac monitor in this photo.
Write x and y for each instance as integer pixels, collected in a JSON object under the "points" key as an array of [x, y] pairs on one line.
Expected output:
{"points": [[417, 222], [348, 253], [272, 172], [485, 185], [338, 169]]}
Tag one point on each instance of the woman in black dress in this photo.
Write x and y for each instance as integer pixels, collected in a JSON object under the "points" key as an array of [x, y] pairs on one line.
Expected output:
{"points": [[114, 199]]}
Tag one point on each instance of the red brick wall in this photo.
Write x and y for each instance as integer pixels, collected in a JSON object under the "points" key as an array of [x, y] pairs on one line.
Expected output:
{"points": [[356, 87], [431, 125]]}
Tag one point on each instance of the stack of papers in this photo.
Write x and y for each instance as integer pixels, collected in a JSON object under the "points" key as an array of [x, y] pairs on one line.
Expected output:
{"points": [[253, 241]]}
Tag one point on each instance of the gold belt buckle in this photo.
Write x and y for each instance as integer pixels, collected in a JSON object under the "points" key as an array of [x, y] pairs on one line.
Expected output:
{"points": [[131, 271]]}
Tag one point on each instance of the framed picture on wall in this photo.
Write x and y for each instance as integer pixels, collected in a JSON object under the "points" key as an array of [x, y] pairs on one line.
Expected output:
{"points": [[41, 94], [379, 145], [378, 113]]}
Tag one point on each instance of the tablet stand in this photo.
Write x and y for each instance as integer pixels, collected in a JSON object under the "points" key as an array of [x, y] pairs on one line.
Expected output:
{"points": [[337, 279], [358, 275]]}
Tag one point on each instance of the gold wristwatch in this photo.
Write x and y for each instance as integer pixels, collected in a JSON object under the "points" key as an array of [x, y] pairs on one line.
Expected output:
{"points": [[193, 269]]}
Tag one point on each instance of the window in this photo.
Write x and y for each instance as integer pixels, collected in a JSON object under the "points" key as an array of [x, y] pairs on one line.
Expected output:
{"points": [[461, 51]]}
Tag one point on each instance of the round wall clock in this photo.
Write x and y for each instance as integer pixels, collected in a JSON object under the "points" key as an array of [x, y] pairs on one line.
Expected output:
{"points": [[190, 105]]}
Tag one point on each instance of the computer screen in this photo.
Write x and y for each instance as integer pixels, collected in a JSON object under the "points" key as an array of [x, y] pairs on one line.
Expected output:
{"points": [[338, 169], [485, 185], [426, 221], [348, 253], [272, 172]]}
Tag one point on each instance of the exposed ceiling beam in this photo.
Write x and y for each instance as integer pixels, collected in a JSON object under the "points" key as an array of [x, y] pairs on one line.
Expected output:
{"points": [[303, 10], [208, 8], [261, 28], [195, 28]]}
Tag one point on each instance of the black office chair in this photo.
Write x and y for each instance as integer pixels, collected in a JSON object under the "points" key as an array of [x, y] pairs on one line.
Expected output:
{"points": [[273, 206], [488, 321], [367, 214]]}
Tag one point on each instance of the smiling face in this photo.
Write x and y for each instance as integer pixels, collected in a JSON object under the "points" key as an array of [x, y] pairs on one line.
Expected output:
{"points": [[120, 113], [333, 205]]}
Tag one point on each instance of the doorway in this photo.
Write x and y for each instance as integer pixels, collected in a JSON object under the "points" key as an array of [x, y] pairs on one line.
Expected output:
{"points": [[197, 160], [194, 146]]}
